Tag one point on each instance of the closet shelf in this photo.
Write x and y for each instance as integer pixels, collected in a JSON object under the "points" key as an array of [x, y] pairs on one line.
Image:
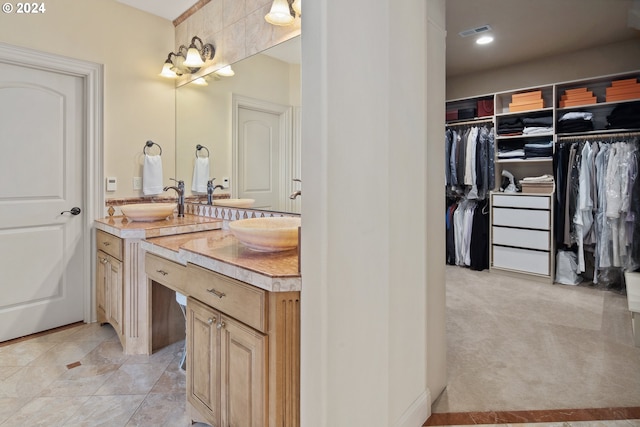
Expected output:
{"points": [[599, 105], [603, 132], [538, 135], [531, 160], [537, 112]]}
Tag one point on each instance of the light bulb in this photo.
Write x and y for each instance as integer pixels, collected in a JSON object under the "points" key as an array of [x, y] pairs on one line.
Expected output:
{"points": [[279, 13], [297, 7], [225, 71], [167, 71], [193, 59]]}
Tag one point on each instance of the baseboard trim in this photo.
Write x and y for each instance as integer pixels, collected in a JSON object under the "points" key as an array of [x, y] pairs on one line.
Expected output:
{"points": [[417, 413]]}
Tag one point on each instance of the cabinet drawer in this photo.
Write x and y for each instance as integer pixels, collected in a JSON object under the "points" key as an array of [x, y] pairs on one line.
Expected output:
{"points": [[166, 272], [109, 243], [244, 302], [521, 260], [523, 218], [528, 202], [533, 239]]}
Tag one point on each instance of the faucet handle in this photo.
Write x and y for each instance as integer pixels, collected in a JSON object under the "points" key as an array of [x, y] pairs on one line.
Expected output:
{"points": [[179, 181]]}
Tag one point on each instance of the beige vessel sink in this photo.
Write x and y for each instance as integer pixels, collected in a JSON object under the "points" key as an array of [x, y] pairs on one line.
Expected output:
{"points": [[148, 211], [234, 203], [267, 234]]}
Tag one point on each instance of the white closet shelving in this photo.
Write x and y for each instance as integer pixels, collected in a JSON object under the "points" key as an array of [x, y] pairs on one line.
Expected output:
{"points": [[527, 247]]}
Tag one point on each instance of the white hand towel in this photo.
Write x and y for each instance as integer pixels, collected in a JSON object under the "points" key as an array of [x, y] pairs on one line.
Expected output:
{"points": [[200, 175], [152, 175]]}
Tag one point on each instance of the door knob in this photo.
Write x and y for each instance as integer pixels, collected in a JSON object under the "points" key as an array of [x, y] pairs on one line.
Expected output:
{"points": [[74, 211]]}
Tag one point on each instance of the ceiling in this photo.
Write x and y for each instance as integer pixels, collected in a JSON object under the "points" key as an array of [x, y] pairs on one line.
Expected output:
{"points": [[524, 30]]}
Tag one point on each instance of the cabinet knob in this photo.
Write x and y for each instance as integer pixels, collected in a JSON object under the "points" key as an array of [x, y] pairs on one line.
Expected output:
{"points": [[210, 320], [221, 324], [103, 260]]}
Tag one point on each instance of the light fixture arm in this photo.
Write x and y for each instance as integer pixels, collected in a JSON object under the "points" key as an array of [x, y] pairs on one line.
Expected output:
{"points": [[206, 50]]}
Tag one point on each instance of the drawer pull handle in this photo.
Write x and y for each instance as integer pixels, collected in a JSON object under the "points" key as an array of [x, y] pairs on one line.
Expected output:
{"points": [[216, 293], [164, 273], [210, 320], [221, 325], [106, 243]]}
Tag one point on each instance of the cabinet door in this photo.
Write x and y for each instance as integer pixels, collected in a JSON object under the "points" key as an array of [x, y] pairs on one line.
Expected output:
{"points": [[243, 368], [101, 286], [203, 360], [115, 303]]}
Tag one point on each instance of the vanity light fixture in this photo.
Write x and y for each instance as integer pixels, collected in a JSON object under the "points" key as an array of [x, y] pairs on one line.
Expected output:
{"points": [[281, 13], [225, 71], [200, 81], [197, 55], [188, 60]]}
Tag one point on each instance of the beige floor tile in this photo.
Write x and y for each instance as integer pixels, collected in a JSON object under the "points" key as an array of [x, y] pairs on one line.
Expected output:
{"points": [[172, 380], [105, 353], [65, 353], [9, 406], [30, 380], [112, 411], [23, 353], [132, 379], [161, 410], [46, 412], [83, 380]]}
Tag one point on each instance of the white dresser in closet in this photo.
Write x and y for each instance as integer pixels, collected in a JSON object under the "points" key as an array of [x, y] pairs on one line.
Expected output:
{"points": [[521, 234]]}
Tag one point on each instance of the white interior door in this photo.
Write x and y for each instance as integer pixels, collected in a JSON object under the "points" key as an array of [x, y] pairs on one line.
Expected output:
{"points": [[259, 157], [42, 253]]}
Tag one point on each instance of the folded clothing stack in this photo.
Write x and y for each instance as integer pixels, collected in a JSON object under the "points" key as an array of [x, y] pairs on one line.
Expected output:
{"points": [[510, 153], [538, 184], [625, 116], [537, 125], [576, 121], [510, 126], [538, 149]]}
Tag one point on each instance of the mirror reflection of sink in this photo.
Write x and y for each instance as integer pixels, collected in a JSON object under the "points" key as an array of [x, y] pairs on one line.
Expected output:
{"points": [[267, 234], [148, 211], [234, 203]]}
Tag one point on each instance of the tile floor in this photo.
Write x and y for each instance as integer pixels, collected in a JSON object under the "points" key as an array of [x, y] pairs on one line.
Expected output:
{"points": [[512, 345], [80, 377], [518, 345]]}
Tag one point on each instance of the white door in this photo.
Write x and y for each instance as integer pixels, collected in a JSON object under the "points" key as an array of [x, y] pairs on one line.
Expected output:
{"points": [[41, 175], [259, 158]]}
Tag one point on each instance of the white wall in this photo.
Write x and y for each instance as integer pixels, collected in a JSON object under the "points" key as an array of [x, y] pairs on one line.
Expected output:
{"points": [[132, 45], [368, 196], [610, 59]]}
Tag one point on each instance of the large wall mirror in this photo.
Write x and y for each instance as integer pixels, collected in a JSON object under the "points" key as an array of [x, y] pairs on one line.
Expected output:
{"points": [[249, 126]]}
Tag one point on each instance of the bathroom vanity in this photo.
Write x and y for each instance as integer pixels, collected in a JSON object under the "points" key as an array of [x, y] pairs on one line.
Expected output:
{"points": [[242, 321]]}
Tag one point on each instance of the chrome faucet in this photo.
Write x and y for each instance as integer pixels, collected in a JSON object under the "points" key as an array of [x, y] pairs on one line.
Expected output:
{"points": [[296, 193], [210, 189], [180, 190]]}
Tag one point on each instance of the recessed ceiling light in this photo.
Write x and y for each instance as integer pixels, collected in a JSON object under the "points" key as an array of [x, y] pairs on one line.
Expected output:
{"points": [[484, 40]]}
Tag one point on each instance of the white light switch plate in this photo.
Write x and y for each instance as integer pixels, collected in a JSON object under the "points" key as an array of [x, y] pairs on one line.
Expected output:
{"points": [[137, 182], [112, 183]]}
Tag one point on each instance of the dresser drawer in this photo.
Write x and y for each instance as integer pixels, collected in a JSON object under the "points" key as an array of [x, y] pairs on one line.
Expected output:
{"points": [[109, 243], [532, 239], [526, 202], [521, 260], [523, 218], [241, 301], [168, 273]]}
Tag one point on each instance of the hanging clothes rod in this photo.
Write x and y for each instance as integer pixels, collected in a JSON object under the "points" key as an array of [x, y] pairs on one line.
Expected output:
{"points": [[150, 144], [630, 134], [470, 122], [200, 147]]}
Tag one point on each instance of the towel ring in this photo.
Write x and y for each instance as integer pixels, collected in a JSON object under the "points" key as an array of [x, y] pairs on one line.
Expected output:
{"points": [[151, 144], [200, 147]]}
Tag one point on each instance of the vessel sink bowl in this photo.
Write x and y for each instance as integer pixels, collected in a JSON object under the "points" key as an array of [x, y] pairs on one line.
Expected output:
{"points": [[267, 234], [234, 203], [148, 211]]}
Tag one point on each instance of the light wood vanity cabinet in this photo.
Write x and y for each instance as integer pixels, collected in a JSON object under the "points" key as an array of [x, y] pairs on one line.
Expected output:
{"points": [[243, 347], [109, 285], [226, 368]]}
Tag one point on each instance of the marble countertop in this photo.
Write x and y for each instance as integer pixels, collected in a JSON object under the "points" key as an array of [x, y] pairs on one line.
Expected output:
{"points": [[120, 226], [221, 252]]}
